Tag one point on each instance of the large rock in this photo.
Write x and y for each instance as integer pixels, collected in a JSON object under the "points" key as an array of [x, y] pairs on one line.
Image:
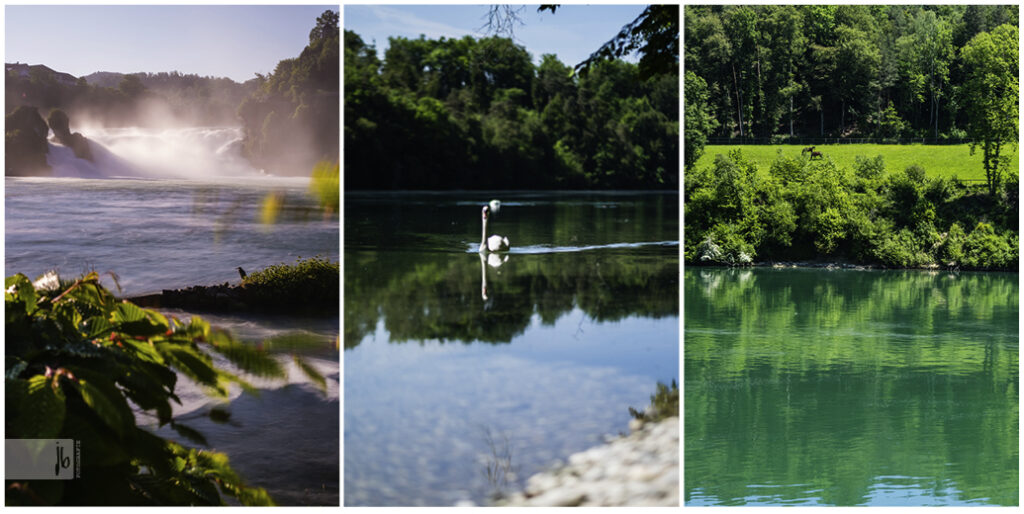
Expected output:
{"points": [[25, 144], [60, 126]]}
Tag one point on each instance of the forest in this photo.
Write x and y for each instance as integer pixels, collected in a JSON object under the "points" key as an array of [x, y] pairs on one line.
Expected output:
{"points": [[766, 74], [480, 114], [880, 71]]}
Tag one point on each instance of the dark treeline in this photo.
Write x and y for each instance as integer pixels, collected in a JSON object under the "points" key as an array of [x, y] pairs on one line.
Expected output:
{"points": [[837, 71], [118, 99], [478, 114]]}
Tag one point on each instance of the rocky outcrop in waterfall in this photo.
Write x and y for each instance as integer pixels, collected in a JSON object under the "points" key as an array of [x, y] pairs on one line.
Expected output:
{"points": [[25, 143], [60, 126]]}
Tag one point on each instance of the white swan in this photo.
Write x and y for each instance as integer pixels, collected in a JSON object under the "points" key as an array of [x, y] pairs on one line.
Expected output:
{"points": [[494, 243]]}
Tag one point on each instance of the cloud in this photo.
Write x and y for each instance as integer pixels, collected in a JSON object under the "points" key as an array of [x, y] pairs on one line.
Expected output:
{"points": [[399, 21]]}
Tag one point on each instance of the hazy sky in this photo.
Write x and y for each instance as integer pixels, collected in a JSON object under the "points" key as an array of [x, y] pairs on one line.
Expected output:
{"points": [[233, 41], [572, 34]]}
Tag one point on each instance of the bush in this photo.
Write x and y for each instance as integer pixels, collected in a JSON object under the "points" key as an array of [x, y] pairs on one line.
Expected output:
{"points": [[735, 250], [869, 169], [78, 360], [986, 249], [901, 250], [308, 285]]}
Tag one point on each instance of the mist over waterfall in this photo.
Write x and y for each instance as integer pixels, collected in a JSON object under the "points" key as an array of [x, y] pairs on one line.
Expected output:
{"points": [[177, 153]]}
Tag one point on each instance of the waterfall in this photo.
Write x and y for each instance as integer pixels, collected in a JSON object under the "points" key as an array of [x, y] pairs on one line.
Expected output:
{"points": [[135, 152]]}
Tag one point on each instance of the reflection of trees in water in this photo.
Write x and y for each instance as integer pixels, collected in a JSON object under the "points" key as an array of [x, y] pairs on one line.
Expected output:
{"points": [[423, 296], [832, 379]]}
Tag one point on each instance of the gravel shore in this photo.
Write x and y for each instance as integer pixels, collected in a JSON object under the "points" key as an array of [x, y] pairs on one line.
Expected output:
{"points": [[641, 469]]}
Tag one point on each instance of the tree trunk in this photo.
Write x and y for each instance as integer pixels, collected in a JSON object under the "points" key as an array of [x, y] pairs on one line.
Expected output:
{"points": [[790, 116], [842, 117], [739, 102], [760, 94]]}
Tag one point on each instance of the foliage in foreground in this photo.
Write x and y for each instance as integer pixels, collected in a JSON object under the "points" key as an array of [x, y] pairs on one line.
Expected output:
{"points": [[805, 209], [79, 363], [664, 404], [311, 284]]}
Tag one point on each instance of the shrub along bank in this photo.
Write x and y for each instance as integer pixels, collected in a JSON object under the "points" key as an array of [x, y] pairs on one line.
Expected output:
{"points": [[816, 210]]}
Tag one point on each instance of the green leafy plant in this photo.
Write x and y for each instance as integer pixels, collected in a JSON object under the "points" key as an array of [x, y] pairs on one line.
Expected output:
{"points": [[309, 284], [81, 365]]}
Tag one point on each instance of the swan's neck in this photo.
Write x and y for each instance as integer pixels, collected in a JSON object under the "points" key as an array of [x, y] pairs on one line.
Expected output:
{"points": [[483, 235]]}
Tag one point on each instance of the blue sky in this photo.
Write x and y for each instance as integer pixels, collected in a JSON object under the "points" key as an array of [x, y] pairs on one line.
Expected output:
{"points": [[572, 33], [231, 41]]}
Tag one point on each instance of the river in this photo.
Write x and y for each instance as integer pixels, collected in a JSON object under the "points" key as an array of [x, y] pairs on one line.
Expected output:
{"points": [[844, 387], [465, 374]]}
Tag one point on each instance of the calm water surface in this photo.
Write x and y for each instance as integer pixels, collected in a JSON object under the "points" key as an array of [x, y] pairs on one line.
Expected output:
{"points": [[850, 387], [455, 364], [163, 234]]}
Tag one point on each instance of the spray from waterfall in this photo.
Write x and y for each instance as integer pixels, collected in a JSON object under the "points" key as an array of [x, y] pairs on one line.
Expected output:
{"points": [[196, 153]]}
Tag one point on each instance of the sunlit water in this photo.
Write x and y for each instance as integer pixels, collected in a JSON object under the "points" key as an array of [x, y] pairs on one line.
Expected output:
{"points": [[808, 387], [456, 363], [159, 234]]}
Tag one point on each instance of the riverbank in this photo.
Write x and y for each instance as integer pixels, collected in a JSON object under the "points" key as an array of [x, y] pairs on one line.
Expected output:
{"points": [[310, 286], [830, 265], [640, 469], [807, 211]]}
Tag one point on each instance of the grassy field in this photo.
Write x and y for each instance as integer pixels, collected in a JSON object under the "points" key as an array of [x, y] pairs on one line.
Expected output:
{"points": [[937, 160]]}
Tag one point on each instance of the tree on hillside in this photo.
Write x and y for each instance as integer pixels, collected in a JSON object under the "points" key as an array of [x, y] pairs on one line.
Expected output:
{"points": [[991, 96], [291, 120], [699, 122], [926, 53], [131, 86]]}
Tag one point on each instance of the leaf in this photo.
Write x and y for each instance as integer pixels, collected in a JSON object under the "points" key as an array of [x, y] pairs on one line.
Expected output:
{"points": [[300, 339], [40, 411], [190, 433], [311, 372], [188, 361], [220, 415], [128, 312], [198, 328], [235, 379], [19, 289], [249, 359], [101, 400]]}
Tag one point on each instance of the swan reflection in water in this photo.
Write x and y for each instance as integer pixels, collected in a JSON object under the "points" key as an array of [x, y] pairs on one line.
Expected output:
{"points": [[493, 260]]}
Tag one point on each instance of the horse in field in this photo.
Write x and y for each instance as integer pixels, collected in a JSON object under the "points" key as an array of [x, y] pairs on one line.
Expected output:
{"points": [[808, 149], [816, 155]]}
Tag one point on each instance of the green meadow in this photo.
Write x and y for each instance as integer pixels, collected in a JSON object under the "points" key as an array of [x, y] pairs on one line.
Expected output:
{"points": [[937, 160]]}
